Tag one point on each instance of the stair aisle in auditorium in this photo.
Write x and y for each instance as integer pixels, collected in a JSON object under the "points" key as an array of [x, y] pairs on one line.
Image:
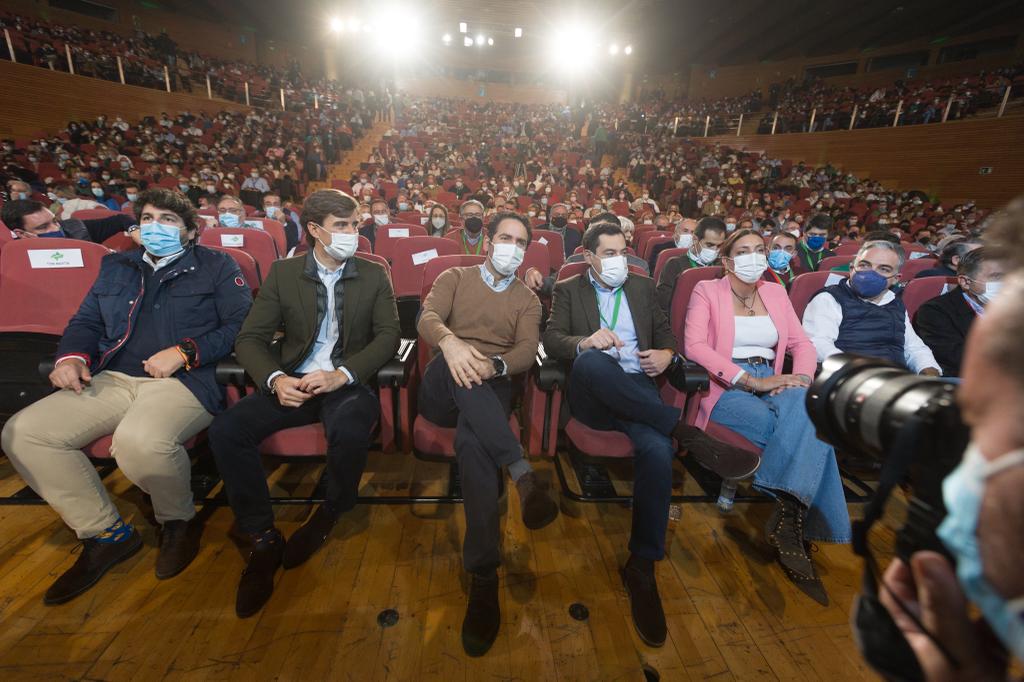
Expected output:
{"points": [[351, 159]]}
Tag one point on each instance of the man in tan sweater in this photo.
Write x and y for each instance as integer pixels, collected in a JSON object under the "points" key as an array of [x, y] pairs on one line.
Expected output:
{"points": [[486, 324]]}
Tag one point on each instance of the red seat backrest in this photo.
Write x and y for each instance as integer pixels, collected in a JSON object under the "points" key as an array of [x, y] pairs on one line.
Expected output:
{"points": [[251, 271], [93, 213], [120, 242], [911, 268], [555, 244], [807, 285], [827, 264], [410, 255], [537, 256], [848, 249], [387, 235], [647, 239], [43, 298], [374, 258], [921, 290], [276, 230], [681, 297], [257, 243], [664, 257]]}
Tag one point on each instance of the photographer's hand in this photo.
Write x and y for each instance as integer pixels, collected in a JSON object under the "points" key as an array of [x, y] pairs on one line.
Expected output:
{"points": [[929, 588]]}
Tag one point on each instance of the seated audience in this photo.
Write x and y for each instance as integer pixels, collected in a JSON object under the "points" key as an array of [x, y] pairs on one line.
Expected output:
{"points": [[67, 201], [950, 254], [812, 248], [741, 328], [486, 324], [307, 371], [472, 239], [862, 315], [944, 321], [618, 340], [781, 250], [437, 223], [137, 360], [271, 208], [27, 219], [702, 252], [230, 212], [558, 221], [683, 238]]}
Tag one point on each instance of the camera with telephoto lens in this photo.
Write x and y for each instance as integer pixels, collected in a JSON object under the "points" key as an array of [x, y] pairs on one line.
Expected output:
{"points": [[911, 423]]}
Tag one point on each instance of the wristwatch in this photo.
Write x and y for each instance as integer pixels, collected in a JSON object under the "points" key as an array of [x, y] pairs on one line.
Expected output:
{"points": [[499, 366], [189, 352]]}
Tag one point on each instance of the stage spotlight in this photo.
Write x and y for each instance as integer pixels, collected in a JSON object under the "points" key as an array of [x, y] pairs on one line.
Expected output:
{"points": [[446, 39], [519, 33], [613, 49], [336, 25], [629, 49], [573, 51], [397, 33], [490, 41], [353, 25], [479, 40], [467, 41], [462, 27]]}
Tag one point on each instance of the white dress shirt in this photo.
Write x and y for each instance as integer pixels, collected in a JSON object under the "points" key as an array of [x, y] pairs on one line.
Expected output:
{"points": [[823, 316]]}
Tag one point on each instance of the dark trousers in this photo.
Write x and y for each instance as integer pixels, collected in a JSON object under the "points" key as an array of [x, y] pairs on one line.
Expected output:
{"points": [[348, 416], [602, 396], [484, 444]]}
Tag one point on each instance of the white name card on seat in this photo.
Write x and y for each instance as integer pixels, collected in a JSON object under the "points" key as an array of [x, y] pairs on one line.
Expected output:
{"points": [[395, 232], [542, 240], [254, 224], [235, 240], [914, 255], [55, 258], [424, 219], [423, 256], [834, 278]]}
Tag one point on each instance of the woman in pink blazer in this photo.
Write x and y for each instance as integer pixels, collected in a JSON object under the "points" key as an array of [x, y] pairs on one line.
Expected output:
{"points": [[740, 328]]}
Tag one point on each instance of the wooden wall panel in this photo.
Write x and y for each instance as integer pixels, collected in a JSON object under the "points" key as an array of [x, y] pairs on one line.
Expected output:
{"points": [[37, 99], [940, 159]]}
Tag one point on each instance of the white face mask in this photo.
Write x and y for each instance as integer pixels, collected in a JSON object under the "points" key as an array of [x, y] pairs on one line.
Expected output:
{"points": [[614, 271], [437, 222], [750, 266], [342, 246], [365, 216], [707, 255], [381, 218], [506, 258], [991, 289], [684, 241]]}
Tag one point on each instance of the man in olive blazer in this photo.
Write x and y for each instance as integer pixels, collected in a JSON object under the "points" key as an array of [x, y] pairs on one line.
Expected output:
{"points": [[320, 328]]}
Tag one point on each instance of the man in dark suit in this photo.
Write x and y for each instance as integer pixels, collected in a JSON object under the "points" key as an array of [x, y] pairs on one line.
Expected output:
{"points": [[703, 247], [943, 322], [618, 340], [558, 221], [683, 239], [811, 249], [340, 326]]}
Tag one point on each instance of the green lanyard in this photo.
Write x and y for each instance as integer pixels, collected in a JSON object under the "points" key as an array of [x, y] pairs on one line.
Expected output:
{"points": [[479, 244], [812, 254], [615, 311]]}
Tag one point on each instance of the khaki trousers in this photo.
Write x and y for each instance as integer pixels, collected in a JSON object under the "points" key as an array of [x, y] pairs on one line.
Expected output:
{"points": [[149, 419]]}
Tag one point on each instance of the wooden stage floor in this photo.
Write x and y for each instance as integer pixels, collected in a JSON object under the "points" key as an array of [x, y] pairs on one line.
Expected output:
{"points": [[732, 615]]}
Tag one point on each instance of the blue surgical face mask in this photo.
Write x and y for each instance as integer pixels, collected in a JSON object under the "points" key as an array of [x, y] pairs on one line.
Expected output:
{"points": [[183, 186], [271, 211], [97, 191], [815, 242], [779, 260], [56, 234], [161, 240], [403, 205], [868, 283], [22, 196], [132, 196], [229, 220], [962, 492]]}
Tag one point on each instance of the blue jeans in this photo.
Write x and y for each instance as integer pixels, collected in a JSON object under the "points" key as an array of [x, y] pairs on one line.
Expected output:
{"points": [[794, 460], [604, 397]]}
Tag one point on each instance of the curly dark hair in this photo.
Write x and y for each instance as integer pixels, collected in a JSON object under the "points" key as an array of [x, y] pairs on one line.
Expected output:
{"points": [[322, 203], [168, 200]]}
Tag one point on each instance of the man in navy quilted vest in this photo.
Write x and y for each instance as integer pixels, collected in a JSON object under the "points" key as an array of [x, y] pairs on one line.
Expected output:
{"points": [[862, 315]]}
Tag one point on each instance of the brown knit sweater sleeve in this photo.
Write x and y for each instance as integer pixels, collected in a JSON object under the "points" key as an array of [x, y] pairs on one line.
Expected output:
{"points": [[520, 358], [437, 307]]}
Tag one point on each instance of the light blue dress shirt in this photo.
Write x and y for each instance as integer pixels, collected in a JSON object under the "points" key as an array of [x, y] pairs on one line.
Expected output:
{"points": [[624, 329]]}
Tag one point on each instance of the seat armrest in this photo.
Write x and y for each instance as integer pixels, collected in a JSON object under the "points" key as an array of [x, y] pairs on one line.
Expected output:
{"points": [[46, 366], [689, 377], [396, 371], [230, 373], [549, 373]]}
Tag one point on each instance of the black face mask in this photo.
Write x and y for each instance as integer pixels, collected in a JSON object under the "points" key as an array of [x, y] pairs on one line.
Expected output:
{"points": [[473, 224], [559, 221]]}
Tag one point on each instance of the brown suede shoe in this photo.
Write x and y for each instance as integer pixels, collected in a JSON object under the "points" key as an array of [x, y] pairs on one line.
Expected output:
{"points": [[179, 545], [309, 537], [729, 462], [535, 501], [93, 562], [644, 601]]}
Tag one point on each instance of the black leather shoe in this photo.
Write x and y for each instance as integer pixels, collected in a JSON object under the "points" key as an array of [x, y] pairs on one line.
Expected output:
{"points": [[644, 600], [728, 461], [483, 614], [257, 581], [535, 502], [179, 545], [309, 537], [96, 559]]}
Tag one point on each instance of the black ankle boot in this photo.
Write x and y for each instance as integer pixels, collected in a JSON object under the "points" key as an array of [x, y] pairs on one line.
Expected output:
{"points": [[785, 532], [483, 614]]}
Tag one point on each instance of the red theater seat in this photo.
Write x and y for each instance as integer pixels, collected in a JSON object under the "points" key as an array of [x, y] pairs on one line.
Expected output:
{"points": [[257, 243], [911, 268], [923, 289], [388, 235]]}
